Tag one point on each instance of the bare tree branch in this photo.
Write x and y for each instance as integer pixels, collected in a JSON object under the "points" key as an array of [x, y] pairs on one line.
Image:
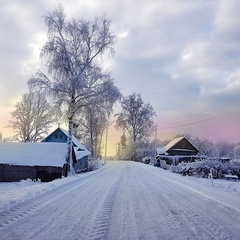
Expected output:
{"points": [[72, 55]]}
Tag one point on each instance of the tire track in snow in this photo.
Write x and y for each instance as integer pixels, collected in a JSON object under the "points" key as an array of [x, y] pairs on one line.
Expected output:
{"points": [[137, 214], [186, 222], [91, 222], [201, 194], [124, 225], [201, 215], [187, 207], [100, 220], [128, 217], [64, 215], [34, 204], [126, 214], [202, 224], [154, 220], [122, 202]]}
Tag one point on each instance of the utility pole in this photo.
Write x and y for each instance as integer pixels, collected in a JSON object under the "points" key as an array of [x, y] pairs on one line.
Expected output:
{"points": [[105, 161], [155, 145]]}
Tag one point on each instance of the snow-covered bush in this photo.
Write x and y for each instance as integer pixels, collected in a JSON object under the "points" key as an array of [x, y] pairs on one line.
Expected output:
{"points": [[147, 160], [94, 164], [202, 168], [175, 160], [163, 164]]}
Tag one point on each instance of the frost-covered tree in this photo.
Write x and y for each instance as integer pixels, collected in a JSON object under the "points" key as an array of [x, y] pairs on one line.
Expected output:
{"points": [[93, 120], [32, 117], [225, 149], [205, 147], [73, 56], [123, 147], [145, 148], [136, 118], [92, 123], [123, 141], [236, 151]]}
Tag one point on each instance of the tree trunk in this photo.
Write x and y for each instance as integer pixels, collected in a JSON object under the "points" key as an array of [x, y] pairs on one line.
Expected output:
{"points": [[69, 160], [105, 155], [92, 143]]}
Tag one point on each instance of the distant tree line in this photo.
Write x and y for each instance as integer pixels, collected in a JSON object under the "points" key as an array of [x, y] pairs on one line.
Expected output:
{"points": [[146, 147], [218, 149]]}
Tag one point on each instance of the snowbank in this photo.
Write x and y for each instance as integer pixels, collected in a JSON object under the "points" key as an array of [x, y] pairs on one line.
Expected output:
{"points": [[12, 193]]}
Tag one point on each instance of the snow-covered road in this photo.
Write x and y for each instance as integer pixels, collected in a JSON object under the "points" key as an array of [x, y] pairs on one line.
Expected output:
{"points": [[124, 200]]}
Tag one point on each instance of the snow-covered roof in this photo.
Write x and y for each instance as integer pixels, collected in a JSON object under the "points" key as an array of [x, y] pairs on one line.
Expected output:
{"points": [[173, 142], [80, 153], [161, 151], [79, 148], [33, 154], [75, 140]]}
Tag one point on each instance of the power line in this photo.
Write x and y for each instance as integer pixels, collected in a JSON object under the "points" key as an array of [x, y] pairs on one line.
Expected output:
{"points": [[221, 108], [199, 117]]}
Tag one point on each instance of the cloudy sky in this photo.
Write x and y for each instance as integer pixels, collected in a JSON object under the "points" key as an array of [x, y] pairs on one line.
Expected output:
{"points": [[182, 56]]}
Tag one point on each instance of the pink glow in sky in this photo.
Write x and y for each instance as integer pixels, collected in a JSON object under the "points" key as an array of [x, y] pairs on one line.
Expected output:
{"points": [[181, 63]]}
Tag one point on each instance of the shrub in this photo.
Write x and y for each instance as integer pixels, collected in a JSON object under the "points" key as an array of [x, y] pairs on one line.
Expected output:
{"points": [[202, 168], [94, 164]]}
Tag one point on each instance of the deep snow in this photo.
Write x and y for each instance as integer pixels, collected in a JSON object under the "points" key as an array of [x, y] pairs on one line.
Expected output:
{"points": [[122, 200]]}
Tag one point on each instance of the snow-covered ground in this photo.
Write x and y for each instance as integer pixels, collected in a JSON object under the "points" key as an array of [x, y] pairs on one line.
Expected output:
{"points": [[122, 200]]}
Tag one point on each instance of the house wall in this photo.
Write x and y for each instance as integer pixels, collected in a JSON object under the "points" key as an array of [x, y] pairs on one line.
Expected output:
{"points": [[181, 153], [56, 136], [59, 136], [81, 165], [47, 174], [184, 144], [15, 173], [187, 149]]}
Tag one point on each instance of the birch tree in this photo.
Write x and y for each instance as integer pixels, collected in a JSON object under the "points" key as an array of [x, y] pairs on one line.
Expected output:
{"points": [[32, 118], [92, 123], [136, 118], [94, 118], [73, 56]]}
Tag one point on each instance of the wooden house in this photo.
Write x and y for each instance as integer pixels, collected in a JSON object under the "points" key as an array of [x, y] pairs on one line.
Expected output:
{"points": [[176, 151], [60, 135], [178, 147]]}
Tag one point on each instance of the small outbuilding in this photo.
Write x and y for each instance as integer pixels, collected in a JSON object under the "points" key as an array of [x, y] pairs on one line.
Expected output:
{"points": [[42, 161]]}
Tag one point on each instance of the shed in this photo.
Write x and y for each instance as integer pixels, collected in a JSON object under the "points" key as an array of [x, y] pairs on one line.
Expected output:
{"points": [[31, 160]]}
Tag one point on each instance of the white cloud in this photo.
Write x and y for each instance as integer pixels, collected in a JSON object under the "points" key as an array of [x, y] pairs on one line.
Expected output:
{"points": [[175, 53]]}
